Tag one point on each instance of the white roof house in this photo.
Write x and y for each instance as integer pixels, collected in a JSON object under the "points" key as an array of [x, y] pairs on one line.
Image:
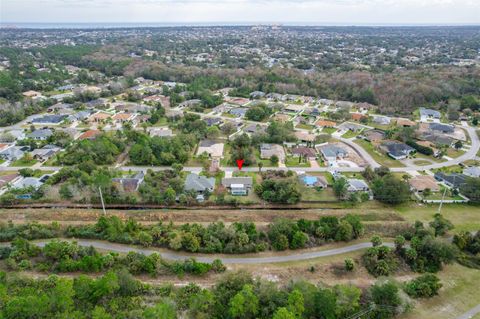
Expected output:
{"points": [[212, 148]]}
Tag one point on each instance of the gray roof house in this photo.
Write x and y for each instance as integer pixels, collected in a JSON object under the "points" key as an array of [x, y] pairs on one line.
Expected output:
{"points": [[238, 111], [444, 128], [332, 152], [199, 184], [397, 150], [454, 180], [41, 134], [50, 119], [268, 150], [28, 182], [472, 171], [45, 152], [12, 153], [257, 95], [429, 114], [130, 184], [238, 185], [357, 185]]}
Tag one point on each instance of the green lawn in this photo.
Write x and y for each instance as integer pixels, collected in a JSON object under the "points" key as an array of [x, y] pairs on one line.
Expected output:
{"points": [[350, 134], [439, 195], [329, 130], [291, 161], [22, 162], [312, 194], [305, 127], [379, 157], [454, 153]]}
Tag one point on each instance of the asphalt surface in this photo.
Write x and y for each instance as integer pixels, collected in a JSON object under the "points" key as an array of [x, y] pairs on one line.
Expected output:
{"points": [[233, 259], [469, 314]]}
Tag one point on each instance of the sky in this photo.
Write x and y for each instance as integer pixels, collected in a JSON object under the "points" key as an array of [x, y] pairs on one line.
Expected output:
{"points": [[308, 12]]}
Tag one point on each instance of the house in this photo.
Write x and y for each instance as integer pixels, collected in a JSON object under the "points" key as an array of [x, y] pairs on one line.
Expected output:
{"points": [[453, 180], [428, 115], [130, 184], [173, 114], [314, 112], [50, 119], [397, 150], [422, 182], [211, 121], [40, 135], [89, 135], [274, 96], [374, 136], [238, 111], [348, 126], [293, 108], [59, 107], [357, 185], [121, 118], [306, 152], [79, 116], [331, 153], [237, 100], [17, 134], [268, 150], [60, 97], [313, 181], [304, 137], [437, 139], [257, 95], [443, 128], [190, 103], [160, 132], [99, 117], [13, 153], [472, 171], [405, 122], [254, 129], [238, 185], [199, 184], [325, 123], [358, 116], [27, 182], [212, 148], [280, 117], [32, 94], [45, 152], [382, 120]]}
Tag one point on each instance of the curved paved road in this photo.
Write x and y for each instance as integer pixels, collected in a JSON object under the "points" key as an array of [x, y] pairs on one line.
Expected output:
{"points": [[234, 259], [470, 314]]}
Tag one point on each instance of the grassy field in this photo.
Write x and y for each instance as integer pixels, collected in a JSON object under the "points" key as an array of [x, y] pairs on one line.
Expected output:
{"points": [[311, 194], [329, 130], [291, 161], [23, 162], [458, 295], [379, 157]]}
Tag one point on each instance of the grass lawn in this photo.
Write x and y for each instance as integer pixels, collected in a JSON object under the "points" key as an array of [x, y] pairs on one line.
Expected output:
{"points": [[161, 122], [453, 153], [458, 295], [265, 162], [229, 115], [350, 134], [305, 127], [379, 157], [329, 130], [291, 161], [2, 161], [465, 217], [449, 169], [448, 195], [21, 162], [312, 194]]}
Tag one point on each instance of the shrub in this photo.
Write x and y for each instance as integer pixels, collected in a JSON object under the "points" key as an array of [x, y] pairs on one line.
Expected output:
{"points": [[424, 286], [349, 264]]}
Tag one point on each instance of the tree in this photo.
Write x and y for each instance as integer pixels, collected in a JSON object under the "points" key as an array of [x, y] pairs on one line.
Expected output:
{"points": [[340, 187], [325, 304], [426, 285], [274, 160], [386, 297], [349, 264], [299, 240], [376, 241], [440, 224], [296, 303], [458, 145], [141, 154], [100, 313], [348, 300], [244, 304], [283, 313], [390, 190], [471, 189], [65, 192], [164, 310], [145, 239], [213, 132], [260, 166]]}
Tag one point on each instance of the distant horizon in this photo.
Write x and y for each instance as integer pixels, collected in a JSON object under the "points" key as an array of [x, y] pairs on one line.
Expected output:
{"points": [[81, 24]]}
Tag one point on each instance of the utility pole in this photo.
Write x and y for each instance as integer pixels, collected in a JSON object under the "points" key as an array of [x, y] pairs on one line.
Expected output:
{"points": [[101, 198], [443, 196]]}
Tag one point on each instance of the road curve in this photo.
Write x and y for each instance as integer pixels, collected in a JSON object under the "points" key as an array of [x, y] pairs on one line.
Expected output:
{"points": [[234, 259], [470, 313]]}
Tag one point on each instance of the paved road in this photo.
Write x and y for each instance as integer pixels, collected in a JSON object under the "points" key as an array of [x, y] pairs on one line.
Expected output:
{"points": [[361, 151], [233, 259], [469, 314]]}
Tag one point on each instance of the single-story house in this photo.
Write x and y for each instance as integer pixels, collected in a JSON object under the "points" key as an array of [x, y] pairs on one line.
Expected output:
{"points": [[397, 150], [89, 135], [46, 152], [381, 119], [160, 131], [32, 94], [294, 108], [238, 111], [50, 119], [348, 126], [27, 182], [99, 117], [444, 128], [130, 184], [453, 180], [257, 95], [405, 122], [429, 115], [40, 135], [422, 182], [357, 185], [303, 151], [280, 117], [254, 128], [472, 171], [211, 121], [331, 153], [304, 137], [6, 179], [13, 153], [374, 135], [268, 150], [238, 185], [199, 184], [190, 103], [313, 181], [358, 116], [325, 123], [213, 148], [123, 117]]}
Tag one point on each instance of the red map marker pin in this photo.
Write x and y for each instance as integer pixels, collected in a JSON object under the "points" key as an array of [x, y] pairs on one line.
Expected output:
{"points": [[240, 163]]}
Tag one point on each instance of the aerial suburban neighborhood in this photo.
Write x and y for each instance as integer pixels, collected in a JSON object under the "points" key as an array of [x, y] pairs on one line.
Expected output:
{"points": [[261, 171]]}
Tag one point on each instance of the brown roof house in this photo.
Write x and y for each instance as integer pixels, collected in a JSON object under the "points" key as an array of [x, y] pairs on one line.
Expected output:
{"points": [[423, 182], [303, 151]]}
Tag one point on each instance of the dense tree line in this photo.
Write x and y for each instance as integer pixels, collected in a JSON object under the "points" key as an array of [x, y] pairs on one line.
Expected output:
{"points": [[279, 187], [102, 150]]}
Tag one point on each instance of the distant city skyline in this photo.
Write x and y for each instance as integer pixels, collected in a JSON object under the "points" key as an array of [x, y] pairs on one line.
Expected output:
{"points": [[300, 12]]}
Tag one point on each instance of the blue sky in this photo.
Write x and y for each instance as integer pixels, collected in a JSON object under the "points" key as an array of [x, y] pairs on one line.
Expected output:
{"points": [[241, 11]]}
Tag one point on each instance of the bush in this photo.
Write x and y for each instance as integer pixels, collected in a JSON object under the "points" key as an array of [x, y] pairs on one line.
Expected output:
{"points": [[349, 264], [424, 286]]}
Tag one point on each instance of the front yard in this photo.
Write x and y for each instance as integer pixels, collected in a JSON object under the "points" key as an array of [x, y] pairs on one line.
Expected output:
{"points": [[382, 159]]}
